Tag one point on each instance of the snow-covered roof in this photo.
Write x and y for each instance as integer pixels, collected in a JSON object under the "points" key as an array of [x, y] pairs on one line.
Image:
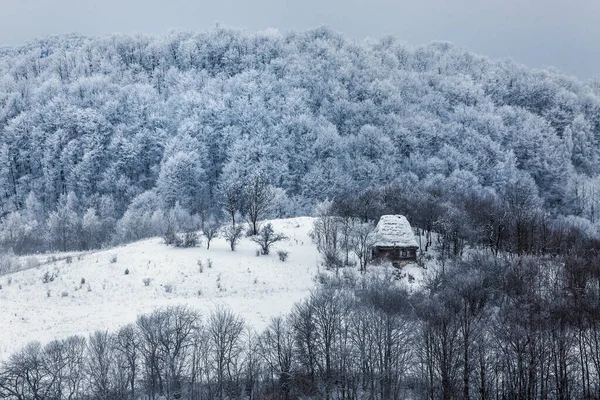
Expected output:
{"points": [[393, 231]]}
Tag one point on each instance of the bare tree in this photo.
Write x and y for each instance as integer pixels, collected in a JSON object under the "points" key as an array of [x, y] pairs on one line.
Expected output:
{"points": [[99, 365], [23, 376], [127, 351], [232, 234], [361, 242], [149, 328], [277, 349], [267, 237], [326, 234], [211, 230], [175, 339], [232, 197], [224, 331], [74, 366], [259, 195]]}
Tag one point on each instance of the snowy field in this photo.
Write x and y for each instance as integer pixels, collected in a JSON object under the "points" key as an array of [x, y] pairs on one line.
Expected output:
{"points": [[93, 291]]}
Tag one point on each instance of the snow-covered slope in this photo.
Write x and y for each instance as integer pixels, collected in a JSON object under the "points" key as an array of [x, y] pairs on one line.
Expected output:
{"points": [[94, 292]]}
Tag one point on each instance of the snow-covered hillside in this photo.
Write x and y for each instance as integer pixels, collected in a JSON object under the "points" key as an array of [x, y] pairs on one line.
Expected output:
{"points": [[93, 291]]}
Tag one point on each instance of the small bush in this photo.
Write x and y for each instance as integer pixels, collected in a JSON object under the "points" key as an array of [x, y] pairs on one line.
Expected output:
{"points": [[8, 263], [171, 238], [211, 230], [267, 237], [64, 294], [147, 281], [257, 253], [199, 292], [83, 281], [169, 288], [209, 263], [200, 266], [89, 288], [191, 239], [283, 255], [9, 280], [48, 293], [69, 259], [113, 259], [232, 234], [255, 281], [126, 271], [48, 277], [249, 231], [32, 262]]}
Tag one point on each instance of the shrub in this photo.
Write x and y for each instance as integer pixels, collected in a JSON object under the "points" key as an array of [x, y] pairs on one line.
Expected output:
{"points": [[8, 263], [126, 271], [191, 239], [267, 237], [283, 255], [147, 281], [64, 294], [257, 253], [211, 230], [200, 266], [113, 259], [232, 234], [83, 281], [48, 293], [169, 288], [48, 277], [69, 259], [209, 263], [32, 262]]}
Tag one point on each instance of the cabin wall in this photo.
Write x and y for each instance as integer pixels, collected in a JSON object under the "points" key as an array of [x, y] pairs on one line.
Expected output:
{"points": [[394, 253]]}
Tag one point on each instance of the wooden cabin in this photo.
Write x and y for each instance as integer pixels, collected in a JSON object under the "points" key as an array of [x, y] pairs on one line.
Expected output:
{"points": [[393, 240]]}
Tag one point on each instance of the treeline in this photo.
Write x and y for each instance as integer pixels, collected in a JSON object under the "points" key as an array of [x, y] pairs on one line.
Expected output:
{"points": [[486, 328], [70, 227], [103, 127]]}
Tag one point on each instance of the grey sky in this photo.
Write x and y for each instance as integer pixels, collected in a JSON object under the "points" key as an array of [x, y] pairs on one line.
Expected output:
{"points": [[538, 33]]}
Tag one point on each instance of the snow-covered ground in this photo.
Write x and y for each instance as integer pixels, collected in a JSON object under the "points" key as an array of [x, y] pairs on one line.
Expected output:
{"points": [[93, 291]]}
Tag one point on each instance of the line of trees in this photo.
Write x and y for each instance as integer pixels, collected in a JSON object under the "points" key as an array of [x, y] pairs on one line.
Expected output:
{"points": [[487, 327], [248, 198]]}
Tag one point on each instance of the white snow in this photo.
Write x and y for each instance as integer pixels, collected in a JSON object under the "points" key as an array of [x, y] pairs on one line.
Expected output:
{"points": [[255, 287], [394, 231]]}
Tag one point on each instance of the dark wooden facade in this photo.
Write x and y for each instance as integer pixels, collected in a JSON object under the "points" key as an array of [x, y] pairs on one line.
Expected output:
{"points": [[394, 253]]}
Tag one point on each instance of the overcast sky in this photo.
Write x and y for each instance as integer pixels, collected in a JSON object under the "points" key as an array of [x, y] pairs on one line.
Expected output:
{"points": [[537, 33]]}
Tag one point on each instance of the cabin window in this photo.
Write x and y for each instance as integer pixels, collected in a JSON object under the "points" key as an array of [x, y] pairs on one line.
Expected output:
{"points": [[404, 253]]}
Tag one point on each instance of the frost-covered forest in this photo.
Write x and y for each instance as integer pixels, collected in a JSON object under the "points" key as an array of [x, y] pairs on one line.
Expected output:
{"points": [[99, 137], [112, 139]]}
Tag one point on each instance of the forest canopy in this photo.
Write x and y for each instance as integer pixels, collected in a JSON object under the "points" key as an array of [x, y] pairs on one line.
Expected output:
{"points": [[96, 132]]}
